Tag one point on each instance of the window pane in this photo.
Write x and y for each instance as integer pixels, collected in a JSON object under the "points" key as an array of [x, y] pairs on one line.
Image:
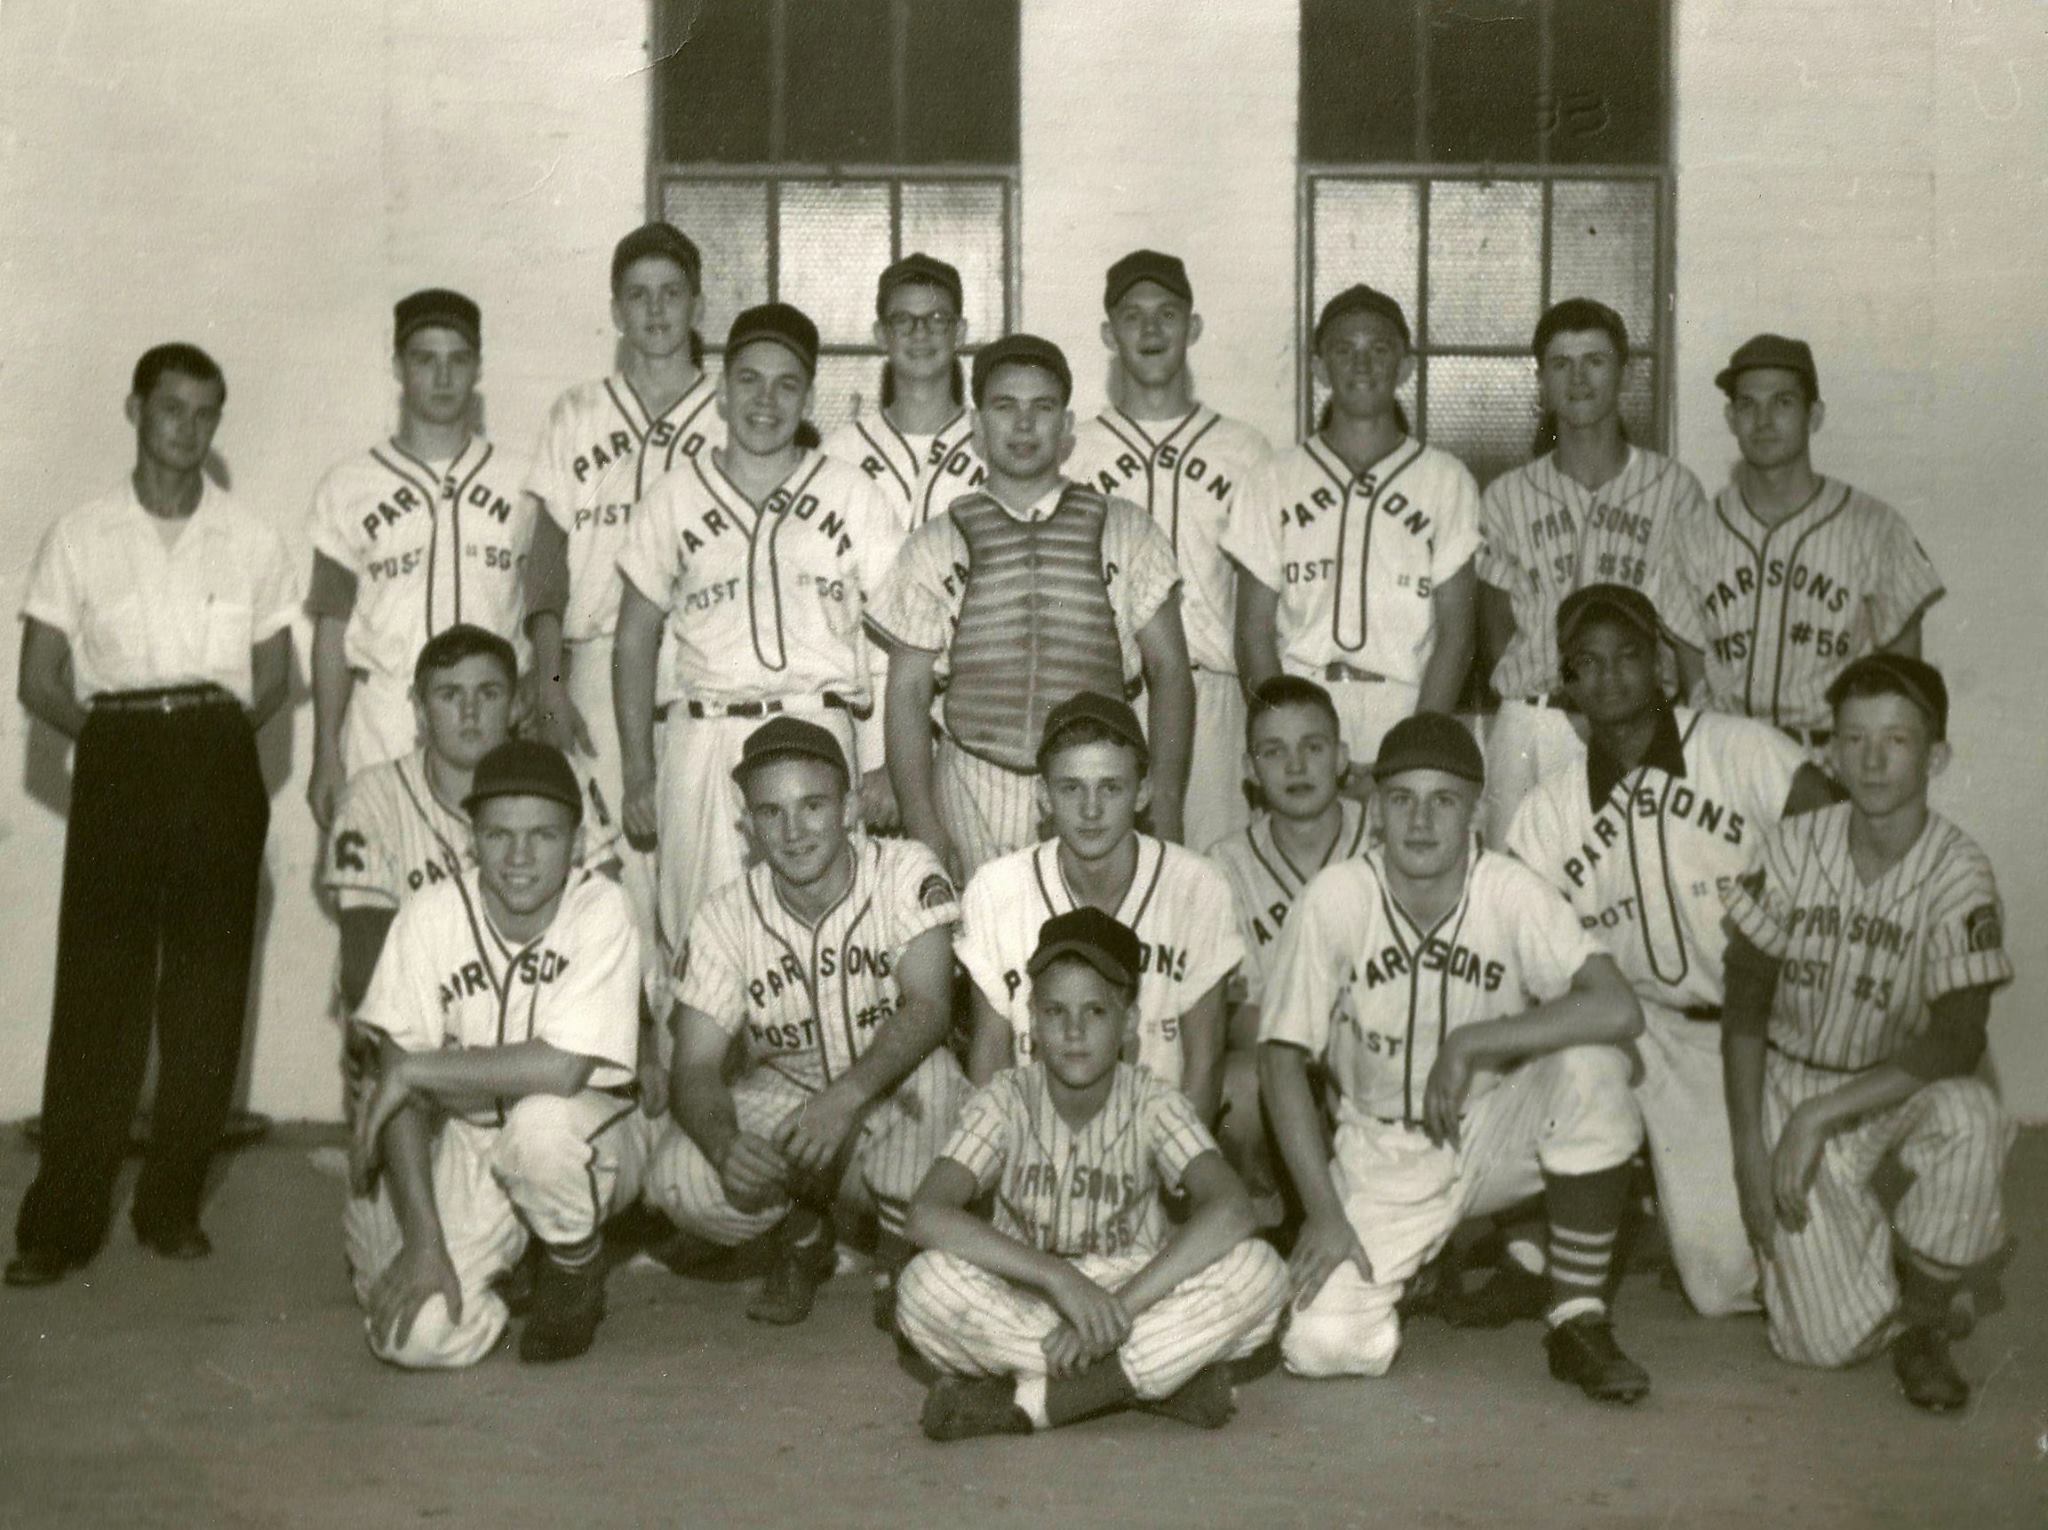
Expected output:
{"points": [[960, 83], [833, 243], [712, 88], [1603, 244], [1639, 400], [1365, 231], [729, 222], [1483, 57], [962, 222], [1485, 260], [1607, 77], [846, 386], [1483, 410], [1358, 81], [835, 104]]}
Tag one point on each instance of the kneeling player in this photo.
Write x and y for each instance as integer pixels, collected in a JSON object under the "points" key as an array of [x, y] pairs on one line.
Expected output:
{"points": [[1866, 947], [1473, 1032], [834, 960], [507, 1002], [1079, 1298]]}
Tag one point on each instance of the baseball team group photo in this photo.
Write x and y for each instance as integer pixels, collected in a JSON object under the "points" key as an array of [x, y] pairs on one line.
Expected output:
{"points": [[1171, 853]]}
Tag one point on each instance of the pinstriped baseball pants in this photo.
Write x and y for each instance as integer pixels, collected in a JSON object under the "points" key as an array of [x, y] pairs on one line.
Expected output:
{"points": [[988, 811]]}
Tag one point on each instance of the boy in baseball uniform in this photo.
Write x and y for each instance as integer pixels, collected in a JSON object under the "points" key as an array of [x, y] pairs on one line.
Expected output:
{"points": [[1094, 781], [1077, 1297], [1866, 947], [811, 1005], [1027, 591], [505, 1005], [1183, 463], [1474, 1035]]}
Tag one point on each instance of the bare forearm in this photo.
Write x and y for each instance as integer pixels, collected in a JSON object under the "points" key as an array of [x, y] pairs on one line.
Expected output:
{"points": [[907, 733], [1210, 1232], [1298, 1127], [634, 656], [1881, 1088], [992, 1045], [270, 669], [332, 682], [408, 1145], [508, 1072], [1742, 1081], [53, 704], [703, 1108], [958, 1231], [1258, 637], [1575, 1020], [1170, 726], [1443, 677], [1201, 1054], [906, 1039]]}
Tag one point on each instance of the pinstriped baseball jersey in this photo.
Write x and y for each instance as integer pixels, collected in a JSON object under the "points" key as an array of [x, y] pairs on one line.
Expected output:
{"points": [[1178, 906], [1544, 534], [1072, 1192], [1779, 611], [921, 474], [763, 601], [600, 452], [447, 978], [1356, 557], [1357, 981], [1264, 884], [1863, 963], [429, 544], [812, 999], [1186, 475], [1645, 868], [393, 837]]}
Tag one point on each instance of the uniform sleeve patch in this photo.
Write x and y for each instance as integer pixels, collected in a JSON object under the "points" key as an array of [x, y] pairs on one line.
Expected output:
{"points": [[1982, 929], [935, 891]]}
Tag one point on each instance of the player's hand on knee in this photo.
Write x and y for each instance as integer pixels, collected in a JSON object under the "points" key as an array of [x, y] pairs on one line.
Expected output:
{"points": [[366, 1147], [878, 808], [1064, 1351], [811, 1135], [1794, 1163], [408, 1282], [1324, 1244], [1753, 1192], [1097, 1315], [753, 1173], [1443, 1099], [638, 816]]}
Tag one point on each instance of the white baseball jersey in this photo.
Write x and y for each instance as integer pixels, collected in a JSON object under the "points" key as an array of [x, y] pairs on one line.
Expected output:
{"points": [[1264, 884], [1544, 534], [430, 545], [812, 999], [447, 978], [393, 837], [1779, 611], [1178, 905], [921, 474], [1358, 982], [1863, 963], [763, 601], [600, 452], [1355, 558], [1091, 1190], [1186, 474], [1645, 866]]}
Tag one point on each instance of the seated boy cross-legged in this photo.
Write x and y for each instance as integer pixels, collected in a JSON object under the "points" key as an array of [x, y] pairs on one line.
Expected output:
{"points": [[1078, 1298]]}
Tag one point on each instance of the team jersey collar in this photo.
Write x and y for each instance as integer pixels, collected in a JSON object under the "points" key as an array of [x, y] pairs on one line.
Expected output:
{"points": [[1040, 509], [1125, 426], [1327, 458], [1350, 836], [1409, 931], [1666, 753], [643, 419]]}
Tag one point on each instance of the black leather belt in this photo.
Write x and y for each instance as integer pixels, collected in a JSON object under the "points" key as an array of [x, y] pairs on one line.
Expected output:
{"points": [[169, 698], [1808, 738], [1339, 672], [702, 709], [1709, 1014], [1818, 1067]]}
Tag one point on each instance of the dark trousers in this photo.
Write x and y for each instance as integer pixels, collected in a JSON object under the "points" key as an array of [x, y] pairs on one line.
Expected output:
{"points": [[168, 816]]}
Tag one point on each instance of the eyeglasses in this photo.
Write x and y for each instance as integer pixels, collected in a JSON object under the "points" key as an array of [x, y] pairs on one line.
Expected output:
{"points": [[904, 325]]}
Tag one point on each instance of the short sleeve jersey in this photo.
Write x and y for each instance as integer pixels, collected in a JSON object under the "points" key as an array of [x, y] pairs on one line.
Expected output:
{"points": [[920, 474], [1264, 885]]}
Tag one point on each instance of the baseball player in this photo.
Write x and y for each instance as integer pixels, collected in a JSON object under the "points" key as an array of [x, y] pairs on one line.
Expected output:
{"points": [[828, 968], [1093, 784], [1184, 464], [1594, 508], [1030, 589], [1641, 834], [506, 1004], [1791, 575], [424, 530], [918, 446], [605, 444], [1357, 544], [1866, 947], [759, 556], [1077, 1297], [1295, 752], [1473, 1033]]}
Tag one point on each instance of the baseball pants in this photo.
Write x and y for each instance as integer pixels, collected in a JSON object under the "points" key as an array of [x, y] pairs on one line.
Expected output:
{"points": [[970, 1322], [557, 1167], [1524, 743], [899, 1141], [1566, 1113], [380, 724], [988, 809], [1366, 709], [590, 692], [1830, 1291], [1216, 804]]}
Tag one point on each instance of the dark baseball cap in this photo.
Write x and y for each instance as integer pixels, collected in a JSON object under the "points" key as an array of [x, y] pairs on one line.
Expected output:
{"points": [[786, 738], [663, 239], [1022, 350], [1617, 602], [1769, 351], [1096, 938], [1430, 741], [919, 267], [525, 767], [1092, 706], [784, 323], [1895, 674], [1361, 299], [436, 307], [1146, 266]]}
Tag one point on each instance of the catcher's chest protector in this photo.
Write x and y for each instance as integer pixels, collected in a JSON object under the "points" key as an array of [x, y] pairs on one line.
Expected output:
{"points": [[1036, 625]]}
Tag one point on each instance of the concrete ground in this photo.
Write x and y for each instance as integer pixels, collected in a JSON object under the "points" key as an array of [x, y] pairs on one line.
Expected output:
{"points": [[237, 1391]]}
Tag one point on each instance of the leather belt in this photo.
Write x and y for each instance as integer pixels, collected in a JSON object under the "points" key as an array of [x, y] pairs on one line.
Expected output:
{"points": [[1707, 1014], [1340, 672], [169, 698], [1808, 738], [1817, 1067], [701, 709]]}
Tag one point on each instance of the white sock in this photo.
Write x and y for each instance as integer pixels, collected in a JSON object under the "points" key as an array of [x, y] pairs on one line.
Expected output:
{"points": [[1031, 1398]]}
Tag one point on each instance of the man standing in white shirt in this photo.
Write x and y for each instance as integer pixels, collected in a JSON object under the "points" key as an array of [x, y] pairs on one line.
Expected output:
{"points": [[157, 635]]}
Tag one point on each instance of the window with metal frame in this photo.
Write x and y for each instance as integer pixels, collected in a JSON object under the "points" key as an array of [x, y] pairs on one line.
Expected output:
{"points": [[1479, 160], [805, 144]]}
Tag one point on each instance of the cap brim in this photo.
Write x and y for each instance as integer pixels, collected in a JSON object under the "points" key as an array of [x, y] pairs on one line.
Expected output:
{"points": [[476, 800], [1567, 631], [747, 767], [809, 359], [1093, 955]]}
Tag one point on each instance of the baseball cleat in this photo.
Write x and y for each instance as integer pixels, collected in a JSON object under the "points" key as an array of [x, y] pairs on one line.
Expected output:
{"points": [[965, 1407], [791, 1286], [39, 1267], [180, 1243], [1926, 1375], [1584, 1353], [567, 1307], [1510, 1295], [1206, 1400]]}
